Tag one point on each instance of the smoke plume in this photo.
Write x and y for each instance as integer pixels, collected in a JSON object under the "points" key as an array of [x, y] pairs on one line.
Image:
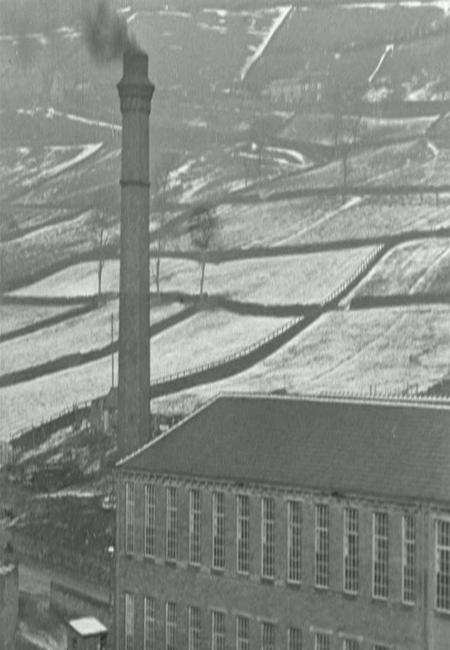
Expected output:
{"points": [[106, 33]]}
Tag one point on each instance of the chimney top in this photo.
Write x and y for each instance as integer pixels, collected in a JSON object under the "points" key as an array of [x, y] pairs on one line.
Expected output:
{"points": [[135, 67]]}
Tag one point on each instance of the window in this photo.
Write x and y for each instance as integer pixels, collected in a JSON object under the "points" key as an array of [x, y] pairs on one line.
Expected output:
{"points": [[243, 533], [242, 633], [351, 550], [294, 638], [443, 565], [194, 527], [322, 545], [171, 523], [129, 621], [380, 555], [267, 636], [218, 631], [171, 626], [268, 537], [194, 628], [129, 517], [350, 644], [218, 530], [294, 541], [322, 641], [409, 559], [149, 534], [149, 623]]}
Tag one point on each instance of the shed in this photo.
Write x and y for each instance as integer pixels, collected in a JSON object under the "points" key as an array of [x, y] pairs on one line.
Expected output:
{"points": [[86, 633]]}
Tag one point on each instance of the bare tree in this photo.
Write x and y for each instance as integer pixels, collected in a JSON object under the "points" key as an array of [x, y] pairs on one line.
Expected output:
{"points": [[347, 128], [161, 183], [101, 241], [203, 229]]}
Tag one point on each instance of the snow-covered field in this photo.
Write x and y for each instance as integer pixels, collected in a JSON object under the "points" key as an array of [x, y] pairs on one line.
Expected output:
{"points": [[79, 334], [211, 336], [274, 280], [385, 350], [419, 266], [24, 167], [207, 337], [13, 317]]}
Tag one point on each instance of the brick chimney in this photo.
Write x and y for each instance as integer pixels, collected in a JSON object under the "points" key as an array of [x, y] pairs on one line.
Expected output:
{"points": [[135, 91]]}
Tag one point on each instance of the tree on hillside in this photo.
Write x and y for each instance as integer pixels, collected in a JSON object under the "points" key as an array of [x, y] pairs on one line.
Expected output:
{"points": [[347, 116], [161, 182], [203, 230], [259, 136], [99, 226]]}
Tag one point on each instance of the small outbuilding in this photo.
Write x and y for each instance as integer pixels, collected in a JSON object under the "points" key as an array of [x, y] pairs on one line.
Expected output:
{"points": [[86, 633]]}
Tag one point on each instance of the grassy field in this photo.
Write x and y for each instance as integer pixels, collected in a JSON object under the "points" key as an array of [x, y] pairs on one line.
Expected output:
{"points": [[385, 350], [421, 266]]}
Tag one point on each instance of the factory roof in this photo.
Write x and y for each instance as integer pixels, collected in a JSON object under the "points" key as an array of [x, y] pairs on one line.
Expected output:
{"points": [[347, 446]]}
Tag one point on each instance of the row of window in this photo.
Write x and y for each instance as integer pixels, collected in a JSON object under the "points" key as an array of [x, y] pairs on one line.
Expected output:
{"points": [[351, 545], [215, 637]]}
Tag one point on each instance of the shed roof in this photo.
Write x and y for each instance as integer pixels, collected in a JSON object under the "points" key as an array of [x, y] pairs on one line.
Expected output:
{"points": [[349, 446], [87, 626]]}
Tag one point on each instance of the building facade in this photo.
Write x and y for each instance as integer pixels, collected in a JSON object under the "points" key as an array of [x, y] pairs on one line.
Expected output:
{"points": [[285, 541]]}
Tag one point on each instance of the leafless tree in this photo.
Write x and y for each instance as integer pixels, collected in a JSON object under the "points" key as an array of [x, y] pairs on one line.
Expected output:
{"points": [[347, 128], [101, 240], [161, 183], [203, 229]]}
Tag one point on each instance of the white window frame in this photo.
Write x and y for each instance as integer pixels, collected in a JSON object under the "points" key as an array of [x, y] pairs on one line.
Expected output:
{"points": [[268, 520], [351, 551], [218, 531], [442, 549], [130, 520], [268, 628], [195, 527], [350, 643], [149, 623], [380, 590], [194, 628], [171, 523], [294, 542], [294, 644], [319, 636], [409, 570], [242, 642], [218, 632], [322, 546], [171, 626], [243, 534], [150, 519], [130, 621]]}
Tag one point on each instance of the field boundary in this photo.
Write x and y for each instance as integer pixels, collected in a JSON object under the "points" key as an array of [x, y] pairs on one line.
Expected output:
{"points": [[67, 361]]}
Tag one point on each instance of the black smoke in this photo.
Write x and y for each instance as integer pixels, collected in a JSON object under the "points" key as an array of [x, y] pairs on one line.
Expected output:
{"points": [[106, 33]]}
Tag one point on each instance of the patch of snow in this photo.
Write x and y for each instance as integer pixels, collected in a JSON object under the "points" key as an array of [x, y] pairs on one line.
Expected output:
{"points": [[214, 28], [70, 492], [283, 12], [86, 152]]}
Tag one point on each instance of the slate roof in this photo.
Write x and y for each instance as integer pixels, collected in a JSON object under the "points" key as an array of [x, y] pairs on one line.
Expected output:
{"points": [[347, 446]]}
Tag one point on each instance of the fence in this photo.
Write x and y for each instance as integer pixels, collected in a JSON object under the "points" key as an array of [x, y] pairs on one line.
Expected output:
{"points": [[330, 300], [235, 362]]}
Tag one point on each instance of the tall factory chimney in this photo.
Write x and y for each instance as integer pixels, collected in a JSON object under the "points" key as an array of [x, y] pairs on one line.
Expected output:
{"points": [[135, 91]]}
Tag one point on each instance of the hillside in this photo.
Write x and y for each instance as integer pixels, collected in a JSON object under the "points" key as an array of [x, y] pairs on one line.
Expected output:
{"points": [[282, 277]]}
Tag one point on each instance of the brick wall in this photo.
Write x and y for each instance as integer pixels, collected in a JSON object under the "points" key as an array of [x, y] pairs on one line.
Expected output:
{"points": [[388, 622]]}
